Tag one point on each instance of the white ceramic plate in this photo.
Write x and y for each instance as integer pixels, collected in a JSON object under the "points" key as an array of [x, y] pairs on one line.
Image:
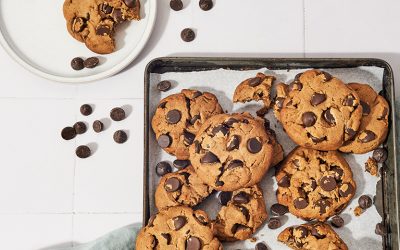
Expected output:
{"points": [[34, 33]]}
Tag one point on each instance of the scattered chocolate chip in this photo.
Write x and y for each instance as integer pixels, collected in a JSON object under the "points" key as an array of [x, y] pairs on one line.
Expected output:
{"points": [[279, 209], [295, 85], [181, 164], [346, 189], [77, 63], [91, 62], [188, 137], [130, 3], [173, 116], [68, 133], [384, 114], [235, 164], [255, 81], [163, 168], [233, 143], [103, 30], [337, 221], [179, 222], [230, 122], [172, 184], [261, 246], [284, 181], [380, 155], [317, 98], [338, 172], [164, 141], [279, 102], [167, 237], [98, 126], [365, 107], [364, 201], [188, 35], [206, 5], [83, 151], [86, 109], [328, 183], [224, 197], [308, 119], [120, 136], [328, 117], [316, 233], [164, 86], [274, 223], [254, 145], [117, 114], [209, 157], [303, 231], [241, 198], [220, 128], [300, 203], [367, 136], [349, 100], [380, 229], [80, 127], [176, 5], [193, 243], [194, 119]]}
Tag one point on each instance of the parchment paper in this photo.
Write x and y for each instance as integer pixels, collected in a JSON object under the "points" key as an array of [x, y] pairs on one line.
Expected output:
{"points": [[358, 232]]}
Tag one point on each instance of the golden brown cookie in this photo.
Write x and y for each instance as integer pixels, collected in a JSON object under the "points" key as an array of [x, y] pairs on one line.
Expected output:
{"points": [[320, 111], [93, 22], [371, 166], [183, 187], [315, 184], [242, 214], [312, 236], [178, 228], [255, 89], [178, 117], [231, 151], [374, 123]]}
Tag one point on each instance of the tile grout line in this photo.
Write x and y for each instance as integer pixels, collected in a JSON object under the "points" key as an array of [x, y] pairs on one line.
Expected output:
{"points": [[304, 28]]}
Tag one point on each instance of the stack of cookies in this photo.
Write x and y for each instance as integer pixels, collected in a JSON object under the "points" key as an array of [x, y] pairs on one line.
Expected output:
{"points": [[230, 154]]}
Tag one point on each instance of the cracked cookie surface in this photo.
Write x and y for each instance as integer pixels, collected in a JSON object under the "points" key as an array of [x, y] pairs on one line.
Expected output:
{"points": [[178, 228], [243, 214], [178, 117], [255, 89], [315, 184], [231, 151], [320, 111], [374, 122], [312, 236], [93, 22], [183, 187]]}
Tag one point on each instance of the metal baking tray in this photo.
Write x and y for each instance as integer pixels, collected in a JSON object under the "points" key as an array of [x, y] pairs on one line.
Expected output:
{"points": [[388, 191]]}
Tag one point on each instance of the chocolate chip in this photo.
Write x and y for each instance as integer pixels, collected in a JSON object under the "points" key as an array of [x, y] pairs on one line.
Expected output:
{"points": [[300, 203], [351, 133], [380, 229], [317, 98], [384, 114], [167, 237], [346, 189], [201, 219], [186, 175], [154, 242], [209, 157], [105, 8], [163, 168], [254, 145], [328, 183], [364, 201], [380, 155], [196, 94], [308, 119], [303, 231], [181, 164], [301, 192], [224, 197], [206, 5], [176, 5], [295, 85], [118, 16], [162, 105], [68, 133], [337, 221], [172, 184], [245, 212], [316, 233], [219, 183], [238, 227], [279, 209], [173, 116], [80, 127], [188, 137], [261, 246], [349, 100], [220, 128], [194, 119], [338, 172], [179, 222], [188, 35], [86, 109], [230, 122], [197, 147], [83, 151], [367, 136], [365, 107], [130, 3], [323, 204], [164, 86], [103, 30], [164, 141], [233, 143], [241, 198], [274, 223], [77, 63], [117, 114], [91, 62], [327, 76], [235, 164], [193, 243], [262, 111], [98, 126], [254, 82], [284, 181], [328, 117], [279, 102], [316, 139], [120, 136], [79, 24]]}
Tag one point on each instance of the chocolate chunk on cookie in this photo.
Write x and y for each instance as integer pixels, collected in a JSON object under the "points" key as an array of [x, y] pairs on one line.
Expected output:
{"points": [[235, 157], [255, 89], [178, 117], [281, 94], [315, 184]]}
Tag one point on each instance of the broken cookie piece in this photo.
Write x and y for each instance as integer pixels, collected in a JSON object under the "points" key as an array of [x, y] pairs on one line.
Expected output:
{"points": [[371, 166], [255, 89]]}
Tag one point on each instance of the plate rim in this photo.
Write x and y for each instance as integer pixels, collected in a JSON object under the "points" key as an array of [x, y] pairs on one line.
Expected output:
{"points": [[132, 55]]}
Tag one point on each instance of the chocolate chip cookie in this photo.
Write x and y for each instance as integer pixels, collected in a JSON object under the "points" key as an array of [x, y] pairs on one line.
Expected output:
{"points": [[242, 215], [178, 228], [255, 89], [320, 111], [315, 184], [93, 22], [183, 187], [231, 151], [312, 236], [374, 123], [178, 117]]}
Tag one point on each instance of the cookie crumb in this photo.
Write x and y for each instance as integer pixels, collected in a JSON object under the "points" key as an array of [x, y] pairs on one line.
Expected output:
{"points": [[253, 239], [358, 211], [371, 166]]}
